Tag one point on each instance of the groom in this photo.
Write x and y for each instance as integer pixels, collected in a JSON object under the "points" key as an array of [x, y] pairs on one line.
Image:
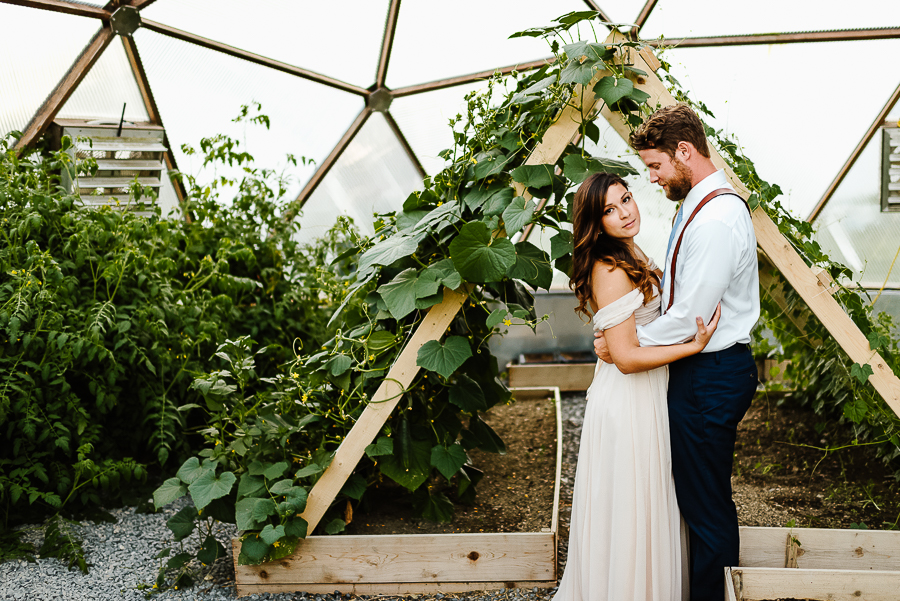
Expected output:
{"points": [[711, 258]]}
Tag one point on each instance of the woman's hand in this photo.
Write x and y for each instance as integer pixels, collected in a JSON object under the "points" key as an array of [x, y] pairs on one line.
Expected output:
{"points": [[706, 331]]}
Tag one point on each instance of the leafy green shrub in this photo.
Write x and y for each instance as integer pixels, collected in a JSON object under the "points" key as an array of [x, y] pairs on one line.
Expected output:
{"points": [[105, 317]]}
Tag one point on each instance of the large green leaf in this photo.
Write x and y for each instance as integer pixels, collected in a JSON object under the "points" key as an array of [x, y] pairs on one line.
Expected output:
{"points": [[388, 251], [382, 446], [438, 508], [271, 533], [210, 486], [478, 257], [444, 358], [440, 217], [168, 491], [338, 364], [488, 165], [613, 89], [531, 92], [210, 550], [354, 487], [560, 244], [448, 460], [467, 395], [533, 176], [517, 214], [532, 266], [498, 202], [253, 549], [579, 72], [487, 438], [250, 486], [577, 167], [276, 470], [400, 293], [445, 273], [416, 474], [182, 523], [480, 194], [190, 470], [251, 513]]}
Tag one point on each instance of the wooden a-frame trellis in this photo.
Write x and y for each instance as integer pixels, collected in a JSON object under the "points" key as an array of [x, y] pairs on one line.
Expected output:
{"points": [[779, 251]]}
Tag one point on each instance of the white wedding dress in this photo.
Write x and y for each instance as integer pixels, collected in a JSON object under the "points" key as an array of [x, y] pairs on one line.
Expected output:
{"points": [[626, 536]]}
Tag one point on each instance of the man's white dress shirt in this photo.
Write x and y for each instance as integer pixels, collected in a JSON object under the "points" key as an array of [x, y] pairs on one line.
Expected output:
{"points": [[716, 262]]}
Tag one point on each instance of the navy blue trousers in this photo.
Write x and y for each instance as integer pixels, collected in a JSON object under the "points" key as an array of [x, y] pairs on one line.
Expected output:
{"points": [[709, 393]]}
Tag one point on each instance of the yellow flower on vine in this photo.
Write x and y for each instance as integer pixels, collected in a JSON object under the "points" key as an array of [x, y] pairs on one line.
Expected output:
{"points": [[507, 322]]}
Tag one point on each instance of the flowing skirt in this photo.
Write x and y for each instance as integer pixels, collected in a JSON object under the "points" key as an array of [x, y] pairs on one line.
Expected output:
{"points": [[626, 539]]}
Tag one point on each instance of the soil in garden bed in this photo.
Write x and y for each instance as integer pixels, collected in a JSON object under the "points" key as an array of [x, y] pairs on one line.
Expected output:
{"points": [[515, 495], [782, 473]]}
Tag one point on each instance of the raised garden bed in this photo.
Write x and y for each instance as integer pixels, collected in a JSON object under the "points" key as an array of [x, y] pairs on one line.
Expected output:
{"points": [[567, 371], [815, 564], [486, 547]]}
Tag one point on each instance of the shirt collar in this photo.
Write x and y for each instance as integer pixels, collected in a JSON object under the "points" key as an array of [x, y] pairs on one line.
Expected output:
{"points": [[711, 182]]}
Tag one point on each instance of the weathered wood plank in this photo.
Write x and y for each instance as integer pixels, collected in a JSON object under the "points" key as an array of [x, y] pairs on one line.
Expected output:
{"points": [[821, 548], [565, 376], [395, 588], [379, 408], [409, 558], [757, 584]]}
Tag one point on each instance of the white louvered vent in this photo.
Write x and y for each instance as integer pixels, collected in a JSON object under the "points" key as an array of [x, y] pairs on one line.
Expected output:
{"points": [[890, 182], [137, 152]]}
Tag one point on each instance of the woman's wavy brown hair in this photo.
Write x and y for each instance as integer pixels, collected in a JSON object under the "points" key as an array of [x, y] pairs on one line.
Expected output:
{"points": [[592, 244]]}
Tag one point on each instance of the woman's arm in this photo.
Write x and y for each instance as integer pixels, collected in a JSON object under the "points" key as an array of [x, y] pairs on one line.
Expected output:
{"points": [[626, 352]]}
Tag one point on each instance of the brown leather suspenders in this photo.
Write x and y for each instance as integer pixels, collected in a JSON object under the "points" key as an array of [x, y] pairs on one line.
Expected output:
{"points": [[706, 199]]}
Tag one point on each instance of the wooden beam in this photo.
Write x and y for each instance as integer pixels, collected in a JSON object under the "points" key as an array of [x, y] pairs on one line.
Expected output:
{"points": [[405, 144], [784, 257], [65, 88], [140, 76], [799, 37], [323, 169], [820, 548], [449, 82], [258, 59], [61, 6], [832, 584], [642, 18], [867, 137], [395, 588], [390, 27]]}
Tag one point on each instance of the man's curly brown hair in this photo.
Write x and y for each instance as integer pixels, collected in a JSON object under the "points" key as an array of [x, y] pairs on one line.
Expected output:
{"points": [[667, 127]]}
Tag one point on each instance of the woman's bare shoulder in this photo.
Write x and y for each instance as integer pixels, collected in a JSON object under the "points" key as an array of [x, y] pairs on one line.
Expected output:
{"points": [[609, 283]]}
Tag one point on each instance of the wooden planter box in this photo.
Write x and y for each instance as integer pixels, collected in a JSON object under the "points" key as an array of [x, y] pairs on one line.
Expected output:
{"points": [[417, 563], [565, 376], [816, 564]]}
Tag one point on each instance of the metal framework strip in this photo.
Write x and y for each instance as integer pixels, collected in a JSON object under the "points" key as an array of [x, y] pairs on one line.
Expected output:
{"points": [[870, 133], [592, 4], [405, 144], [449, 82], [840, 35], [140, 76], [61, 6], [328, 163], [185, 36], [64, 89], [390, 28], [642, 18]]}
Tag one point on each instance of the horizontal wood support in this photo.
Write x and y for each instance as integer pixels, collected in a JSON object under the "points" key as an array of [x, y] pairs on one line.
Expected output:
{"points": [[129, 165], [820, 548], [395, 588], [117, 182], [565, 376], [759, 584], [410, 558], [799, 37]]}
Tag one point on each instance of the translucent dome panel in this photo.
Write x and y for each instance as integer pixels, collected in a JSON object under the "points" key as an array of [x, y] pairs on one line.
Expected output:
{"points": [[689, 18], [200, 91], [423, 119], [30, 70], [852, 229], [108, 85], [343, 43], [797, 110], [436, 40], [622, 11], [373, 175]]}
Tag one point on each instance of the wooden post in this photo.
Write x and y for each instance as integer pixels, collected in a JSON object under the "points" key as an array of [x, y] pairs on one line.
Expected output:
{"points": [[784, 257]]}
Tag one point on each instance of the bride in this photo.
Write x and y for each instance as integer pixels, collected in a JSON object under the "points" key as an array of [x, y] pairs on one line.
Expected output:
{"points": [[626, 539]]}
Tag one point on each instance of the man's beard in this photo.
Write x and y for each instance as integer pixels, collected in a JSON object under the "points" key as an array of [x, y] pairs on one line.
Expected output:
{"points": [[677, 187]]}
